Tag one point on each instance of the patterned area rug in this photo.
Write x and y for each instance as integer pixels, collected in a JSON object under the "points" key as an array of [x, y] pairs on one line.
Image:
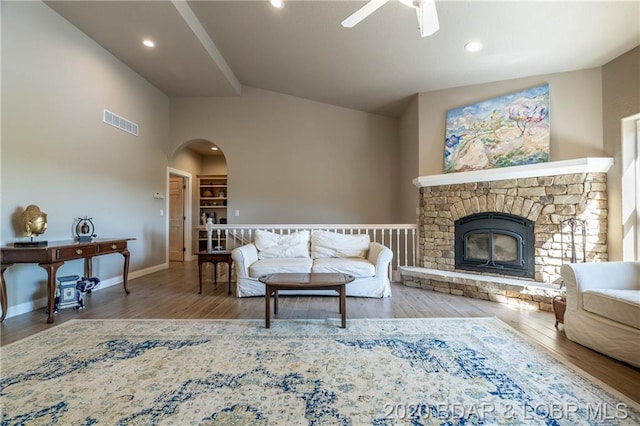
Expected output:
{"points": [[236, 372]]}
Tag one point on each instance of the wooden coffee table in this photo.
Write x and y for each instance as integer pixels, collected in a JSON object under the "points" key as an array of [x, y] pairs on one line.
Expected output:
{"points": [[312, 281]]}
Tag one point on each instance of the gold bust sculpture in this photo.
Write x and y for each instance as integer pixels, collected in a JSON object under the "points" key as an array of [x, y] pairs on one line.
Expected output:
{"points": [[34, 220]]}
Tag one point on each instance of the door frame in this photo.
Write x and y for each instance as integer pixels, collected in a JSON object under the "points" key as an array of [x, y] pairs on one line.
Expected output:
{"points": [[188, 231], [182, 188]]}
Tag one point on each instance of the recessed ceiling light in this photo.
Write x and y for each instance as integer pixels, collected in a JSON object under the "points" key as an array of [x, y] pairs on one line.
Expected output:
{"points": [[277, 3], [148, 43], [473, 46], [214, 148]]}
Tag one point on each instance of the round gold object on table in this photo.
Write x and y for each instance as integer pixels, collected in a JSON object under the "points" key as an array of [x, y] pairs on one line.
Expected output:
{"points": [[34, 220]]}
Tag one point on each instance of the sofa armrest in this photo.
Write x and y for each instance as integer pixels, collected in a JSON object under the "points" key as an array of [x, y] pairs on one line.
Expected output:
{"points": [[243, 257], [381, 257], [580, 277]]}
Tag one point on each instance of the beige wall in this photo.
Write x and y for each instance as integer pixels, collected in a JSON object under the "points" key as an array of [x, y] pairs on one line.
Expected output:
{"points": [[57, 153], [291, 160], [409, 158], [187, 161], [575, 104], [214, 165], [621, 99]]}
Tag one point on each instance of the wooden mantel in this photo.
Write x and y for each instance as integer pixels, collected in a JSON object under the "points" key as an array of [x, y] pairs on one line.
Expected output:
{"points": [[551, 168]]}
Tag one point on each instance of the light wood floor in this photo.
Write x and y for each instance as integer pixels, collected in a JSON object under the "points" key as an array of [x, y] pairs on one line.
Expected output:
{"points": [[173, 294]]}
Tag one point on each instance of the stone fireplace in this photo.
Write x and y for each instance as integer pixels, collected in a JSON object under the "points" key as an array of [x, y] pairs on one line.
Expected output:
{"points": [[522, 229]]}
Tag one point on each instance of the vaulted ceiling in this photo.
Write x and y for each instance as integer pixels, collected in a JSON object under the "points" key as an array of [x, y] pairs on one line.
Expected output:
{"points": [[213, 48]]}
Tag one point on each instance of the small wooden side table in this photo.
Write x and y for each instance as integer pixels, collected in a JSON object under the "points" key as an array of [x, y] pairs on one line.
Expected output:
{"points": [[214, 257], [559, 304]]}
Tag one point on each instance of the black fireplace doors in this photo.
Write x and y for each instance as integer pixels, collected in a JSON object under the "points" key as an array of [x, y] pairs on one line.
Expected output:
{"points": [[499, 243]]}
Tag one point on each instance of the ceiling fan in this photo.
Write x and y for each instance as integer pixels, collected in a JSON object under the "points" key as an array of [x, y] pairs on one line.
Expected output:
{"points": [[425, 9]]}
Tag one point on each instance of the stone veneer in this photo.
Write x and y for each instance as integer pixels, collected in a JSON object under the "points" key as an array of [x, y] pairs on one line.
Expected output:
{"points": [[547, 200], [496, 289]]}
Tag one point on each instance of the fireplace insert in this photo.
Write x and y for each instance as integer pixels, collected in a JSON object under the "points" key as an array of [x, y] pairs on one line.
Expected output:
{"points": [[499, 243]]}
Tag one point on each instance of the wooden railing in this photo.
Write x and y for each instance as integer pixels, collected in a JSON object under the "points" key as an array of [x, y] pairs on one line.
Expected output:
{"points": [[402, 239]]}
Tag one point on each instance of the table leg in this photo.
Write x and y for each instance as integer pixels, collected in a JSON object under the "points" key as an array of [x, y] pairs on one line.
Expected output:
{"points": [[267, 308], [125, 272], [275, 301], [88, 267], [343, 306], [200, 276], [215, 274], [3, 292], [51, 269]]}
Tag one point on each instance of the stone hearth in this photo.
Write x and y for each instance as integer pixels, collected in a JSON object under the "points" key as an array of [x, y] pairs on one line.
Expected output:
{"points": [[548, 194]]}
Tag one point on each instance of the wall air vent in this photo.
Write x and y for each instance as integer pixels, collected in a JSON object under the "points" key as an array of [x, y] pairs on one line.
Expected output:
{"points": [[121, 123]]}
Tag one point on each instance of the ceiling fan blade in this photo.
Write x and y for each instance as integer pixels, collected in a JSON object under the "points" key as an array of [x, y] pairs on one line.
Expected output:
{"points": [[427, 18], [363, 12]]}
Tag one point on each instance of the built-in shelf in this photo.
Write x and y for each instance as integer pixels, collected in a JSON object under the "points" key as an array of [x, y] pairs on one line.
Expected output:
{"points": [[212, 202], [551, 168]]}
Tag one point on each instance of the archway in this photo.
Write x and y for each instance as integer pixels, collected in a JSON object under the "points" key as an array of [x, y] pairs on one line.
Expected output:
{"points": [[192, 160]]}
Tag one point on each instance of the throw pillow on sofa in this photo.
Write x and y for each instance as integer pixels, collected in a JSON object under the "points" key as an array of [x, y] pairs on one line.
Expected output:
{"points": [[326, 244], [271, 245]]}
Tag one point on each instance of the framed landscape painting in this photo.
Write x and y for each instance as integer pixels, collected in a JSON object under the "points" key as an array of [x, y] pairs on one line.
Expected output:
{"points": [[510, 130]]}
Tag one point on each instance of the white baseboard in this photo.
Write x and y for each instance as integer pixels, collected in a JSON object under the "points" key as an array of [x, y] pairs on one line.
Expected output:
{"points": [[33, 305]]}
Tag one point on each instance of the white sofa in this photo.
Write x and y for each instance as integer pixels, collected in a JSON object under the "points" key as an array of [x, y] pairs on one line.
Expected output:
{"points": [[320, 251], [603, 308]]}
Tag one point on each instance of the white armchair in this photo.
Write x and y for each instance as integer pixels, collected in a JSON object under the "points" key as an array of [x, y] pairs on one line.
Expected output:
{"points": [[603, 308]]}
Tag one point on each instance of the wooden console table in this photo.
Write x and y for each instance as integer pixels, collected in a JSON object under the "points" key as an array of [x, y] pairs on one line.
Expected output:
{"points": [[52, 256]]}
